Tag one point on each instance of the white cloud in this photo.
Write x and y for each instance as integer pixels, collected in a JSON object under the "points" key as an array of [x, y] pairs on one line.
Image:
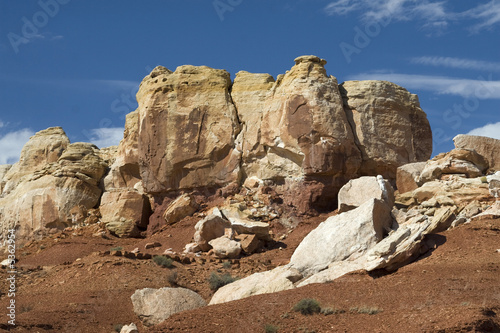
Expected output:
{"points": [[434, 14], [12, 143], [105, 137], [1, 124], [489, 130], [488, 14], [458, 63], [481, 88]]}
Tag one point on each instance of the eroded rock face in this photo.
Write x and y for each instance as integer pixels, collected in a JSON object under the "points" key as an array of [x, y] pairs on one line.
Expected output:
{"points": [[389, 126], [358, 191], [187, 129], [489, 148], [66, 181]]}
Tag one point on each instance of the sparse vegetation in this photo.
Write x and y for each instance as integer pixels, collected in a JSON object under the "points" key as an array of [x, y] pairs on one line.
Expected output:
{"points": [[172, 278], [117, 327], [217, 281], [270, 328], [117, 248], [226, 265], [366, 310], [307, 306], [163, 261]]}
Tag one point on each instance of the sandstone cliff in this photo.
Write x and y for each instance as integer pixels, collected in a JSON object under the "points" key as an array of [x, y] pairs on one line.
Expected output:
{"points": [[195, 131]]}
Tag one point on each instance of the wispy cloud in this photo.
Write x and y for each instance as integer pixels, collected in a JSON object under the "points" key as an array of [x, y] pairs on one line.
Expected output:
{"points": [[480, 88], [12, 143], [488, 14], [105, 137], [489, 130], [458, 63], [434, 14]]}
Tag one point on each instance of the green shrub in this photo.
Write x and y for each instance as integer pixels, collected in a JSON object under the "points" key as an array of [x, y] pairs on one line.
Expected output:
{"points": [[307, 306], [216, 281], [117, 327], [270, 328], [163, 261], [118, 248], [226, 264]]}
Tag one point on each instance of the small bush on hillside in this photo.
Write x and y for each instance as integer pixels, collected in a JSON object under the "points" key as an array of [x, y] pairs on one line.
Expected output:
{"points": [[270, 328], [163, 261], [117, 327], [217, 281], [226, 264], [307, 306], [118, 248]]}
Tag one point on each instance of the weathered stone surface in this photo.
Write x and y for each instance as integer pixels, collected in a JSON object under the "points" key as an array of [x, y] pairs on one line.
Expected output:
{"points": [[457, 161], [249, 243], [187, 129], [305, 127], [278, 279], [489, 148], [224, 247], [442, 219], [389, 126], [3, 171], [358, 191], [183, 206], [132, 328], [153, 306], [211, 227], [125, 212], [408, 176], [243, 225], [343, 237], [250, 93], [43, 148], [46, 196]]}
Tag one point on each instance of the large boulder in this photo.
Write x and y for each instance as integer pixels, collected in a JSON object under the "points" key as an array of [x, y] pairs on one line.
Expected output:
{"points": [[358, 191], [278, 279], [225, 248], [242, 224], [187, 129], [66, 181], [457, 161], [346, 236], [183, 206], [489, 148], [153, 306], [389, 126]]}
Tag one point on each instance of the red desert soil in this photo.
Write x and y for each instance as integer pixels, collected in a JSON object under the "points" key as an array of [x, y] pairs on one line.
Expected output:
{"points": [[68, 283]]}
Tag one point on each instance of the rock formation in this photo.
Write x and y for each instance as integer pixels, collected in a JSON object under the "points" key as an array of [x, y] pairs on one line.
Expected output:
{"points": [[487, 147], [51, 183]]}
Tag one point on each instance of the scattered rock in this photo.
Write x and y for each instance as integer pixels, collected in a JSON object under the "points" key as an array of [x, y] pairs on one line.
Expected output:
{"points": [[152, 245], [249, 243], [243, 225], [408, 176], [225, 248], [183, 206], [153, 306], [132, 328], [489, 148], [192, 248], [211, 227]]}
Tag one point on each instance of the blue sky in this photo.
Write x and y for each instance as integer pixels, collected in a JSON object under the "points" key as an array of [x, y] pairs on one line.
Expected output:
{"points": [[78, 63]]}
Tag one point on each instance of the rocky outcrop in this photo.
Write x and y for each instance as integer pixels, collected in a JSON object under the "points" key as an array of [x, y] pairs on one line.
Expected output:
{"points": [[3, 171], [153, 306], [489, 148], [39, 198], [187, 129], [408, 176], [389, 126]]}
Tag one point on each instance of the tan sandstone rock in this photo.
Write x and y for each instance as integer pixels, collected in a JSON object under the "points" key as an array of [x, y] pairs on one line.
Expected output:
{"points": [[3, 171], [489, 148], [125, 212], [408, 176], [211, 227], [358, 191], [389, 126], [187, 129], [153, 306], [224, 247], [183, 206]]}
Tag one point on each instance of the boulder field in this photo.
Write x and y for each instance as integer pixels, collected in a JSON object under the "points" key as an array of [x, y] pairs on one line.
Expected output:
{"points": [[196, 132]]}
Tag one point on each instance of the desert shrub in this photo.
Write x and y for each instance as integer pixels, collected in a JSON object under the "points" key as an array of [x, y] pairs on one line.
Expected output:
{"points": [[163, 261], [117, 327], [226, 264], [172, 278], [270, 328], [216, 281], [307, 306], [118, 248]]}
